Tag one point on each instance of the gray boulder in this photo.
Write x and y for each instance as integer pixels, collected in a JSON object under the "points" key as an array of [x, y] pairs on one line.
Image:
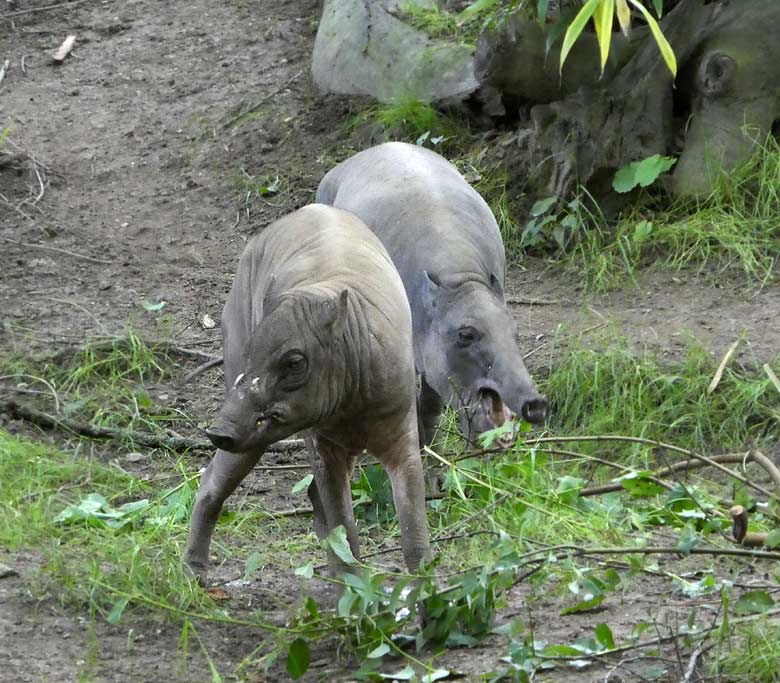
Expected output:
{"points": [[364, 47]]}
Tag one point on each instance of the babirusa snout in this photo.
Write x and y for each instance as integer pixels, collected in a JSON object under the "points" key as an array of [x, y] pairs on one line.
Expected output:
{"points": [[534, 410]]}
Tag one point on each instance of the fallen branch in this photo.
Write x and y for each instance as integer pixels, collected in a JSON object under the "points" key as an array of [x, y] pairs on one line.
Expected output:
{"points": [[722, 367], [212, 363], [683, 465], [110, 341], [60, 5], [29, 245], [174, 443], [520, 301], [656, 444]]}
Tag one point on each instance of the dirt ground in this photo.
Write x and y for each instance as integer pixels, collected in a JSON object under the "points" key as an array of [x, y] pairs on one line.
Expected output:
{"points": [[137, 196]]}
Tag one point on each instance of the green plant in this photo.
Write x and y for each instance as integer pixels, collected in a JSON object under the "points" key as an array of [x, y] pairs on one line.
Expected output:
{"points": [[603, 13], [407, 119], [736, 227]]}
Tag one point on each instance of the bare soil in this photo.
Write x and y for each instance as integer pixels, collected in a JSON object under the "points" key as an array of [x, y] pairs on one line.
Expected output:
{"points": [[138, 195]]}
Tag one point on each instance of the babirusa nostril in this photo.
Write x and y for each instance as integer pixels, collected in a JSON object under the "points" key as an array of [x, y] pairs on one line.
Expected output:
{"points": [[222, 441], [535, 410]]}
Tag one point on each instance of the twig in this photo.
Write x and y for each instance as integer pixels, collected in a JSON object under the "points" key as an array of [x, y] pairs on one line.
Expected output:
{"points": [[41, 9], [657, 444], [520, 301], [772, 376], [57, 249], [212, 363], [722, 367], [42, 419], [262, 101], [81, 308], [18, 210], [40, 182], [110, 341], [768, 465], [3, 69]]}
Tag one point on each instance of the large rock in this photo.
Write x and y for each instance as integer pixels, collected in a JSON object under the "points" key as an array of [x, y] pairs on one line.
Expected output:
{"points": [[364, 47]]}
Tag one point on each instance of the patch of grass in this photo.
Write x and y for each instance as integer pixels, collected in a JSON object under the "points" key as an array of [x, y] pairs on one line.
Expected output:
{"points": [[736, 228], [87, 563], [609, 389], [463, 21], [755, 657], [409, 120], [107, 383]]}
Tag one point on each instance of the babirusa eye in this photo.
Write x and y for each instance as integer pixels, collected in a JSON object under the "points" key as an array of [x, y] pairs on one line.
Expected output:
{"points": [[467, 335]]}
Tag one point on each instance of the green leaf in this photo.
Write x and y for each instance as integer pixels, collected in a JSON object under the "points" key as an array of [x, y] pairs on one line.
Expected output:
{"points": [[641, 173], [306, 571], [773, 539], [688, 540], [144, 400], [298, 658], [666, 50], [474, 9], [625, 179], [116, 611], [338, 543], [659, 7], [541, 10], [436, 675], [602, 19], [754, 602], [303, 483], [649, 169], [344, 608], [605, 637], [642, 231], [379, 651], [149, 306], [541, 206], [253, 563], [584, 605], [561, 651], [575, 28]]}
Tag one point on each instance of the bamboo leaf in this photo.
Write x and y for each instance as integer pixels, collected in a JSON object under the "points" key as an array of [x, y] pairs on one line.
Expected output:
{"points": [[602, 19], [663, 44], [624, 16], [575, 28]]}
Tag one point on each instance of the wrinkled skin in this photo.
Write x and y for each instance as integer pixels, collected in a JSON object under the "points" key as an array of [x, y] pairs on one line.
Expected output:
{"points": [[317, 335], [447, 247], [735, 83]]}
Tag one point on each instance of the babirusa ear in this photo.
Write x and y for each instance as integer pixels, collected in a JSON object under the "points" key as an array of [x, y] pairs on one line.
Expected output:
{"points": [[429, 286], [335, 312], [270, 301], [496, 285]]}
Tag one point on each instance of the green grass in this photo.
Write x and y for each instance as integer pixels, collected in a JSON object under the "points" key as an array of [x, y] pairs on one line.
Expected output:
{"points": [[736, 228], [466, 20], [517, 501], [753, 656], [606, 388], [409, 120], [107, 384]]}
